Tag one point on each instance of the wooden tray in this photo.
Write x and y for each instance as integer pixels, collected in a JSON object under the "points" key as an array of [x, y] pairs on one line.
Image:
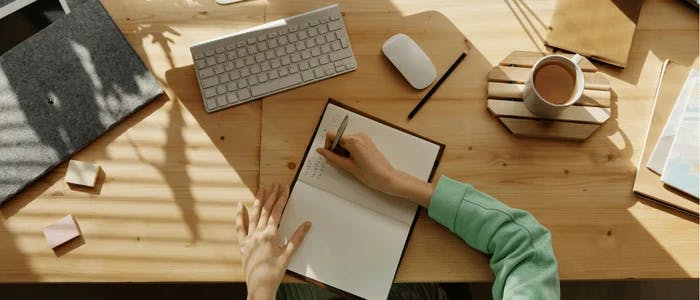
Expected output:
{"points": [[578, 122]]}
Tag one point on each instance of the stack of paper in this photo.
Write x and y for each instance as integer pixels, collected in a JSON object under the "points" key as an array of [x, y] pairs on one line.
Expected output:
{"points": [[670, 164]]}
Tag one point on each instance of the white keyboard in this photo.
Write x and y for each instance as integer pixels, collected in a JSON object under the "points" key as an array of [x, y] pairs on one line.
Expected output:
{"points": [[273, 57]]}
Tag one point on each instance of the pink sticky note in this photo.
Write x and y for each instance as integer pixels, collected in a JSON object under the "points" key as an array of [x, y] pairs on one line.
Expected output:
{"points": [[62, 231]]}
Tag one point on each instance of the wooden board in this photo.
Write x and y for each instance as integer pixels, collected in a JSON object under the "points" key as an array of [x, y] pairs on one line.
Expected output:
{"points": [[506, 81]]}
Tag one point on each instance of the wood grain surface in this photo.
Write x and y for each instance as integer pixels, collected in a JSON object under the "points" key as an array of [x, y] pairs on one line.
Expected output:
{"points": [[173, 174]]}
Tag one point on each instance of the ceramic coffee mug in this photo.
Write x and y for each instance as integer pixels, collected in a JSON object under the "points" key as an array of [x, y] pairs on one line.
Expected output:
{"points": [[534, 99]]}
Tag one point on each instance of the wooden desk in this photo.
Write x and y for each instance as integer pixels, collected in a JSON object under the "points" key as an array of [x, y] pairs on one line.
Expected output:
{"points": [[174, 173]]}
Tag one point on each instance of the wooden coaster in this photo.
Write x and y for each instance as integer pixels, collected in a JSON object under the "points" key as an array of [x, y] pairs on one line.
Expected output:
{"points": [[578, 122]]}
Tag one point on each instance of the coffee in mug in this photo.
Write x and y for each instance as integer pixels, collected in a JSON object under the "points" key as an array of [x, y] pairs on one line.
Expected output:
{"points": [[555, 83]]}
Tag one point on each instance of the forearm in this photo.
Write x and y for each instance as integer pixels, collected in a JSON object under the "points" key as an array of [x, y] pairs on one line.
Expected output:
{"points": [[409, 187]]}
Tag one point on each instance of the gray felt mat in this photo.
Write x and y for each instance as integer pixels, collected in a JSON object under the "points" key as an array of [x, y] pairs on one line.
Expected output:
{"points": [[61, 89]]}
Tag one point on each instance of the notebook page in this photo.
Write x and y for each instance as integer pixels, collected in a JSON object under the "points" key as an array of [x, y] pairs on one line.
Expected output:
{"points": [[348, 246], [404, 151]]}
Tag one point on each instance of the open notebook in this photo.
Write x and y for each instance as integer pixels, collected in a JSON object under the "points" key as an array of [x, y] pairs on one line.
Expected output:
{"points": [[358, 234]]}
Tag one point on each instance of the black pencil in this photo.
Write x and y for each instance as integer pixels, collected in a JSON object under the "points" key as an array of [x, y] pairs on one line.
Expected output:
{"points": [[437, 85]]}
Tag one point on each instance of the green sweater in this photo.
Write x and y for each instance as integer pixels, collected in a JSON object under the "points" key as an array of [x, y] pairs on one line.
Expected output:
{"points": [[522, 259]]}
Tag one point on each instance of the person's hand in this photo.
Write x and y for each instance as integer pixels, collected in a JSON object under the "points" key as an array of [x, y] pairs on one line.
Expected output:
{"points": [[264, 258], [370, 167]]}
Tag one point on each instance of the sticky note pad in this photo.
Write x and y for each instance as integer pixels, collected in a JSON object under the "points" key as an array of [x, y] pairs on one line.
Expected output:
{"points": [[62, 231], [82, 173]]}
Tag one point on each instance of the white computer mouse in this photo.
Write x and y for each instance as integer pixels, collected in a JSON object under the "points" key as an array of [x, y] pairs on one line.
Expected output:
{"points": [[410, 60]]}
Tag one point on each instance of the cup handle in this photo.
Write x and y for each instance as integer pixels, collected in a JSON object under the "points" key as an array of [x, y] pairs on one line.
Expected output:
{"points": [[576, 59]]}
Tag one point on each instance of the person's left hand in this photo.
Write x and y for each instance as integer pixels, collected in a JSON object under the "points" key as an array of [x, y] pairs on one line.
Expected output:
{"points": [[265, 259]]}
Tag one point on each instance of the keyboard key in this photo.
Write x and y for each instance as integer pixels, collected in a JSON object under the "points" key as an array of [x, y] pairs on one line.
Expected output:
{"points": [[344, 42], [303, 65], [209, 52], [273, 85], [200, 63], [275, 63], [231, 55], [232, 98], [335, 17], [239, 63], [323, 28], [316, 51], [210, 92], [320, 40], [349, 63], [255, 69], [330, 37], [280, 51], [229, 65], [272, 74], [234, 74], [261, 57], [286, 60], [314, 23], [240, 44], [265, 66], [251, 41], [211, 61], [209, 82], [223, 78], [211, 103], [204, 73], [243, 82], [252, 49], [324, 59], [292, 38], [335, 45], [313, 31], [221, 100], [339, 67], [329, 69], [272, 43], [282, 32], [293, 28], [249, 60], [242, 52], [303, 26], [325, 48], [296, 57], [282, 40], [243, 94], [262, 77], [220, 50], [324, 20], [272, 35], [262, 47], [283, 72], [218, 69], [307, 75], [313, 62], [310, 43], [230, 47], [262, 37], [232, 86], [306, 54], [293, 68], [336, 55], [252, 80], [334, 25], [198, 55], [221, 89], [300, 46], [291, 48], [302, 34], [318, 72], [245, 72]]}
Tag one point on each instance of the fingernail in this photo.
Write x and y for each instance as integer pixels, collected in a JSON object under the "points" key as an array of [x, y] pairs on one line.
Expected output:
{"points": [[318, 150], [307, 225]]}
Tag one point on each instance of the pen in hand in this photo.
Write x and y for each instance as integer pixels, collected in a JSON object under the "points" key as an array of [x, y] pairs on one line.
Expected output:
{"points": [[335, 144]]}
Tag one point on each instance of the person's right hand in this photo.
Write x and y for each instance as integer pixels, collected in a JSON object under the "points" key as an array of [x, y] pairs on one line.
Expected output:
{"points": [[370, 167]]}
